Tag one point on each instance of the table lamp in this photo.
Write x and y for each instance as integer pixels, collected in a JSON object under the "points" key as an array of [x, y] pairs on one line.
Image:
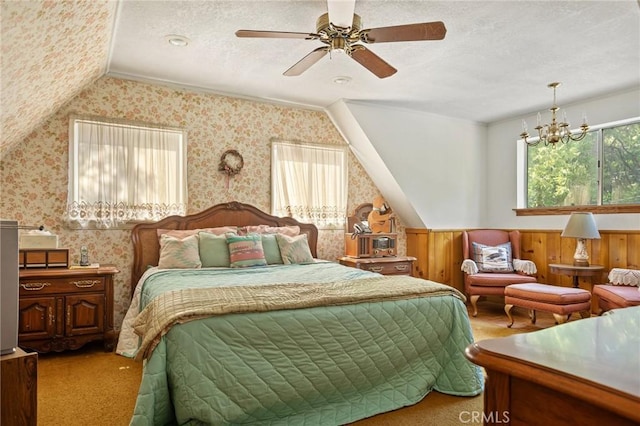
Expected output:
{"points": [[581, 226]]}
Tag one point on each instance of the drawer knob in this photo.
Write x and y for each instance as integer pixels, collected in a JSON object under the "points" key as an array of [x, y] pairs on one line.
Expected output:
{"points": [[401, 267], [85, 283], [376, 268], [34, 286]]}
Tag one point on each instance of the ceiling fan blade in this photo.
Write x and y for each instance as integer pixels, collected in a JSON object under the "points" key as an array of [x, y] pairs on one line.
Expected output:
{"points": [[276, 34], [372, 62], [341, 12], [303, 64], [411, 32]]}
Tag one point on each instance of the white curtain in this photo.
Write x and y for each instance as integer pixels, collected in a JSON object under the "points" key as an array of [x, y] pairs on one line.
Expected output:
{"points": [[121, 171], [309, 182]]}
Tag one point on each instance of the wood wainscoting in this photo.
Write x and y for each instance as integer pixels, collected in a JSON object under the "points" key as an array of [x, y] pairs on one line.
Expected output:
{"points": [[439, 254]]}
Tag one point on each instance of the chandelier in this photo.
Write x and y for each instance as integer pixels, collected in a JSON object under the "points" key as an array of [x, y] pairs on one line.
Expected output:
{"points": [[556, 131]]}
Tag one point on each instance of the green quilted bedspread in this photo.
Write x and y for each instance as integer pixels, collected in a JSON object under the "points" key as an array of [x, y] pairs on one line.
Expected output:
{"points": [[322, 365]]}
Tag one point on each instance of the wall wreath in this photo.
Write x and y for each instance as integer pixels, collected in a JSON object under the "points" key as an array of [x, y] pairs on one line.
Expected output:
{"points": [[231, 162]]}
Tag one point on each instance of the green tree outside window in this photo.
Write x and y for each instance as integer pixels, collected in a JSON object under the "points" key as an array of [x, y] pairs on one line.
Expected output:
{"points": [[569, 174]]}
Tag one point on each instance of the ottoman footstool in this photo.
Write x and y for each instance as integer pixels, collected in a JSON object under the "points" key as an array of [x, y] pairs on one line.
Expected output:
{"points": [[560, 301]]}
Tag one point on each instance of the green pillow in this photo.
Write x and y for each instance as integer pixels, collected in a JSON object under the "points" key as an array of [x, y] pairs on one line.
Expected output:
{"points": [[271, 249], [214, 250]]}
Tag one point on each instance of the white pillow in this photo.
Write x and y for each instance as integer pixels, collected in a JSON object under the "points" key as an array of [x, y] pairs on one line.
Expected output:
{"points": [[294, 249], [176, 253], [493, 259]]}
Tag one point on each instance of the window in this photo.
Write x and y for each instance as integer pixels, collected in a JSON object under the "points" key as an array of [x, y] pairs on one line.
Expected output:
{"points": [[603, 169], [309, 183], [121, 171]]}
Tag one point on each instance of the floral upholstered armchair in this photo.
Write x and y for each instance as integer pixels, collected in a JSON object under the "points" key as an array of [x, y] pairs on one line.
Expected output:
{"points": [[492, 262]]}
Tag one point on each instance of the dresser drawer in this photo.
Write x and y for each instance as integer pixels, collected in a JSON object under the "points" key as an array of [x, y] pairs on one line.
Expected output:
{"points": [[392, 265], [37, 286], [389, 268]]}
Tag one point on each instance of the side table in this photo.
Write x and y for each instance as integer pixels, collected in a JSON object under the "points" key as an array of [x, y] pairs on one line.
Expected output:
{"points": [[576, 272]]}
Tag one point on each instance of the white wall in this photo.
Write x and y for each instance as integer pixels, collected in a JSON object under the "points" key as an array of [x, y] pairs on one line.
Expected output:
{"points": [[437, 162], [501, 163], [445, 173]]}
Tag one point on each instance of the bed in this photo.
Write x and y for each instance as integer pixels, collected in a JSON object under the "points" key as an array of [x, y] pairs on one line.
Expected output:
{"points": [[302, 341]]}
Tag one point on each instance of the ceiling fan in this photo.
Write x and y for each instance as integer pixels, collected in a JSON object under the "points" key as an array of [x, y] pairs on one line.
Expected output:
{"points": [[340, 29]]}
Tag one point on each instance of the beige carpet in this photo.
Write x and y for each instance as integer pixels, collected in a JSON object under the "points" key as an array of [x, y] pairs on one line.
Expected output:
{"points": [[91, 387]]}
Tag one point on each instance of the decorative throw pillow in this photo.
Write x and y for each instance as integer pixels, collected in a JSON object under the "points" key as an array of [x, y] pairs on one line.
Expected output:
{"points": [[493, 259], [294, 249], [214, 251], [291, 231], [271, 249], [179, 253], [245, 250], [184, 233]]}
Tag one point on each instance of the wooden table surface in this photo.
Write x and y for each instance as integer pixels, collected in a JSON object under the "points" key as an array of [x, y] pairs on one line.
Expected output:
{"points": [[575, 271], [594, 361]]}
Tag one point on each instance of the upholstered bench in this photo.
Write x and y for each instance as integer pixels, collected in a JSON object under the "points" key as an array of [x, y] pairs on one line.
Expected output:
{"points": [[621, 292], [616, 296], [560, 301]]}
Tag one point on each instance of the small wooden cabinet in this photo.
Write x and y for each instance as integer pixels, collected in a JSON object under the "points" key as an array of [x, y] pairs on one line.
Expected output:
{"points": [[62, 309], [396, 265], [19, 388]]}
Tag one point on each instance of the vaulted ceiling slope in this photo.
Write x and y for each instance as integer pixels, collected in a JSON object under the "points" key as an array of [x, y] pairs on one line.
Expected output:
{"points": [[50, 52], [494, 62]]}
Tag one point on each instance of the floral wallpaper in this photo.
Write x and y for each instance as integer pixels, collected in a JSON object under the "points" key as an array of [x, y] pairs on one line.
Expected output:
{"points": [[34, 174], [68, 47]]}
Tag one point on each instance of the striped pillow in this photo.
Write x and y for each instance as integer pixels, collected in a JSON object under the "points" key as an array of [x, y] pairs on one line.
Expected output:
{"points": [[245, 250], [179, 253]]}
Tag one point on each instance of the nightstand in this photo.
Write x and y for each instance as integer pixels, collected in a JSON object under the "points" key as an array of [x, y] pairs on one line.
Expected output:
{"points": [[62, 308], [393, 265]]}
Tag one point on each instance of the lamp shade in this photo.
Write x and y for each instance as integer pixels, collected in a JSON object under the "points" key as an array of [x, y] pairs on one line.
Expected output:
{"points": [[581, 225]]}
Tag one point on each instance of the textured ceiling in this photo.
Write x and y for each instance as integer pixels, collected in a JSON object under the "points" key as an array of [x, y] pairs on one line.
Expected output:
{"points": [[494, 62]]}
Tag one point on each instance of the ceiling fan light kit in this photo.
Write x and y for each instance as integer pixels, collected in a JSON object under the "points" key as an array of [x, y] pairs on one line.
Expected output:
{"points": [[348, 39], [342, 80], [177, 40]]}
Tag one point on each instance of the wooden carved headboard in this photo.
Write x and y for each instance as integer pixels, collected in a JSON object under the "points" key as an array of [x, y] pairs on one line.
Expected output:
{"points": [[146, 245]]}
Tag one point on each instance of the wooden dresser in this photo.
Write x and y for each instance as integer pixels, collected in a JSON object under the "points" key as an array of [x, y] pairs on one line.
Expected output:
{"points": [[585, 372], [62, 308], [19, 388], [393, 265]]}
